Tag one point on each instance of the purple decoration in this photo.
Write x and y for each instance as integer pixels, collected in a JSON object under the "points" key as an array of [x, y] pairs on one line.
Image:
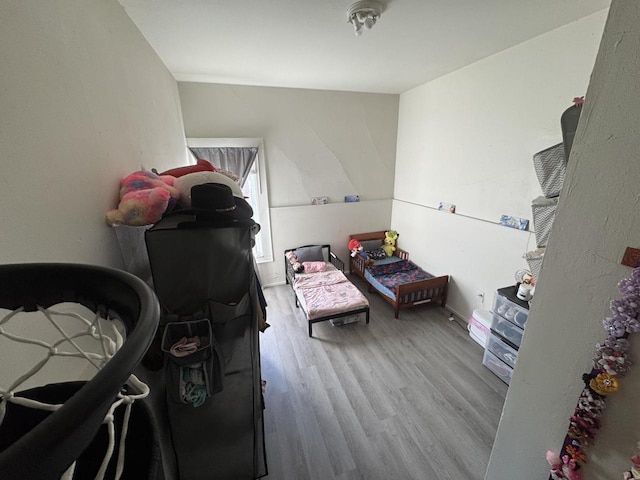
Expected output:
{"points": [[617, 344], [627, 305], [631, 285], [614, 326]]}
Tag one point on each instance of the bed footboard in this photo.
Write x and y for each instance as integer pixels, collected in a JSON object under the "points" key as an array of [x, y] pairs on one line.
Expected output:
{"points": [[349, 313], [432, 290]]}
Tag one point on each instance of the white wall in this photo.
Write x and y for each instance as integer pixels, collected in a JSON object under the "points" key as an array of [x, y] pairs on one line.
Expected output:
{"points": [[317, 143], [597, 219], [85, 101], [331, 225], [468, 138]]}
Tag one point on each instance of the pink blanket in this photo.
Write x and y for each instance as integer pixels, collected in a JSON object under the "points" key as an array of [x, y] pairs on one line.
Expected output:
{"points": [[327, 293]]}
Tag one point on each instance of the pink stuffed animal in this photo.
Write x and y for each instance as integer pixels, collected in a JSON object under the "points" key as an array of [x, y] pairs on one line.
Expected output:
{"points": [[144, 197]]}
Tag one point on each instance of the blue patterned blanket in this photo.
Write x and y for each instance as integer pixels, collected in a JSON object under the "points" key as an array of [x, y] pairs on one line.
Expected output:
{"points": [[394, 274]]}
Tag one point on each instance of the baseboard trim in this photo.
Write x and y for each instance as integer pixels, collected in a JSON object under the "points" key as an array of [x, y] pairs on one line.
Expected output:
{"points": [[276, 284], [456, 313]]}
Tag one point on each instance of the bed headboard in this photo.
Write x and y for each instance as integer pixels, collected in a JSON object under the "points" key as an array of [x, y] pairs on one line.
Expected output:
{"points": [[379, 235], [326, 250], [363, 237], [327, 255]]}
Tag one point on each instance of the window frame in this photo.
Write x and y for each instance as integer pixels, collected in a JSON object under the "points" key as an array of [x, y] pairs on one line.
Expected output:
{"points": [[263, 193]]}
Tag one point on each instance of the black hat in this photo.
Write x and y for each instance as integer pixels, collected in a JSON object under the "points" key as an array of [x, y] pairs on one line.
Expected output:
{"points": [[212, 201]]}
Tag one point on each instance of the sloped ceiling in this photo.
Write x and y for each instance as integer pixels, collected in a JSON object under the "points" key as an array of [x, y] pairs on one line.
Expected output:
{"points": [[309, 44]]}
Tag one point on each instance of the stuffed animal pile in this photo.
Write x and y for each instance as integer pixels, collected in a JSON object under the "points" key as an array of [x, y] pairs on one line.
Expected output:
{"points": [[200, 166], [185, 183], [144, 197], [296, 265]]}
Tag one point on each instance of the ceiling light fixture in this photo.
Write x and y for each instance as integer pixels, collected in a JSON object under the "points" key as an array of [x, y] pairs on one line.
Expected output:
{"points": [[364, 14]]}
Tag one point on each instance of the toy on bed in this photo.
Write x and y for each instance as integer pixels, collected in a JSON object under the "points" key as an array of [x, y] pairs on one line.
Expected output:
{"points": [[144, 198], [400, 282], [389, 245], [320, 287], [367, 250], [294, 263], [355, 247]]}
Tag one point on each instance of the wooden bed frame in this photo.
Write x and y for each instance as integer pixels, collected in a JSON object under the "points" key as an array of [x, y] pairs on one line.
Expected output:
{"points": [[408, 295], [329, 256]]}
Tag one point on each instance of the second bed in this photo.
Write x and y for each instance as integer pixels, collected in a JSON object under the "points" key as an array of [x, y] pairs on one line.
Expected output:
{"points": [[321, 289]]}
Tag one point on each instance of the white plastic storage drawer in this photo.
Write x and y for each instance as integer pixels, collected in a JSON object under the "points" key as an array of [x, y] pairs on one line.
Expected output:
{"points": [[502, 349], [479, 325], [507, 330], [509, 310], [497, 366]]}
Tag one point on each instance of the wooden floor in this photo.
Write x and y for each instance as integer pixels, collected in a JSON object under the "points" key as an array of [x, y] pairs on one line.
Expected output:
{"points": [[396, 399]]}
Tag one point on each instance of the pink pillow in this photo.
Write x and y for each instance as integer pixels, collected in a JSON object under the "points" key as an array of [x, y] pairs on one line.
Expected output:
{"points": [[313, 267]]}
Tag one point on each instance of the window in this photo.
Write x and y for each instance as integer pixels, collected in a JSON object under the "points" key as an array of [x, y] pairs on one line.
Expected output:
{"points": [[254, 188]]}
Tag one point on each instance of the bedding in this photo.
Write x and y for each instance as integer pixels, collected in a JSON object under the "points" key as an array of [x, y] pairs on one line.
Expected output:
{"points": [[386, 260], [313, 267], [377, 254], [324, 293], [393, 274], [400, 282]]}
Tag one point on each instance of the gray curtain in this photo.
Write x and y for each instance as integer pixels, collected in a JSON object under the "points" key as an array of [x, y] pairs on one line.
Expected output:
{"points": [[235, 159]]}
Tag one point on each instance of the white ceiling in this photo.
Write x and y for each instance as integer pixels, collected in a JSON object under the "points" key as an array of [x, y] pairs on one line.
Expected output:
{"points": [[309, 44]]}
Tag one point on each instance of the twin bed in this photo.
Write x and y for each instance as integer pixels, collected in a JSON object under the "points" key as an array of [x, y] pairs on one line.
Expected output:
{"points": [[328, 294]]}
